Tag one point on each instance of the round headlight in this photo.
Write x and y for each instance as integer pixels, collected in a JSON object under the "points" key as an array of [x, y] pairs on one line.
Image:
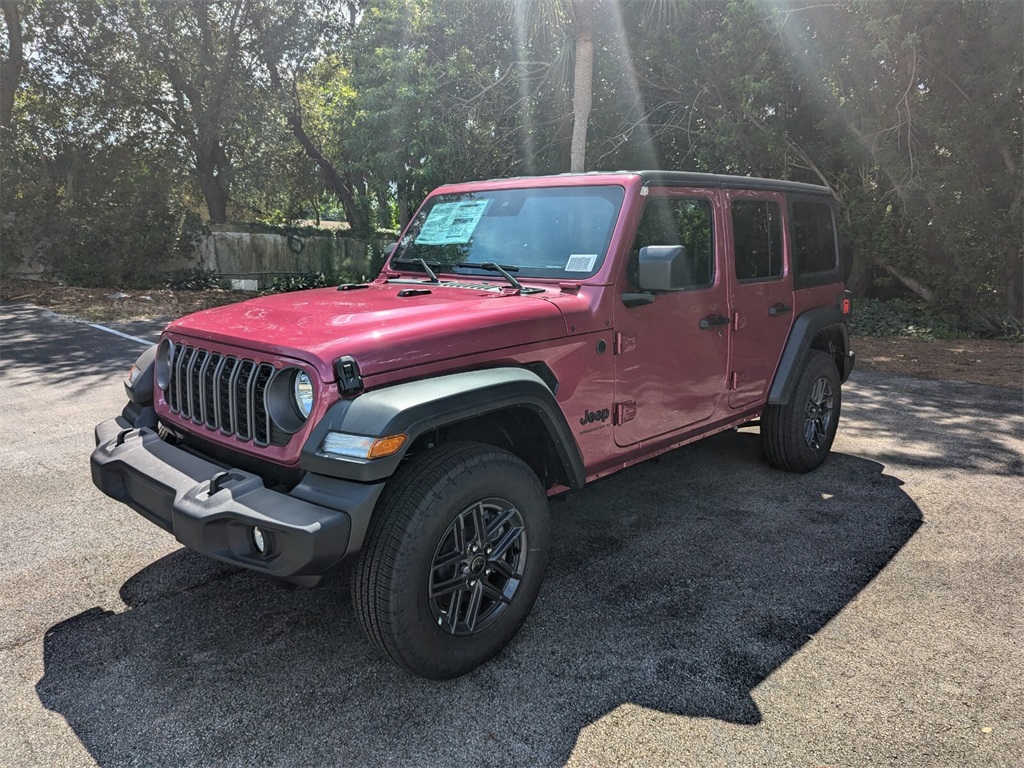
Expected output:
{"points": [[303, 392], [164, 361]]}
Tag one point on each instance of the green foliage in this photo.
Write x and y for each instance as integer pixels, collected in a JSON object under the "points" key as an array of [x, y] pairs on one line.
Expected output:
{"points": [[908, 110], [989, 326], [375, 251], [195, 279], [109, 219], [907, 319], [296, 283]]}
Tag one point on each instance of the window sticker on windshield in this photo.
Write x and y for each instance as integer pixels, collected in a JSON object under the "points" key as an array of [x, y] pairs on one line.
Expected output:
{"points": [[581, 262], [451, 223]]}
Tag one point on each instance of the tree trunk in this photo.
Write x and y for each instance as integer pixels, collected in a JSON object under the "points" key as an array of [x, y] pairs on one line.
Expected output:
{"points": [[861, 273], [1013, 287], [213, 173], [404, 212], [10, 70], [917, 288], [358, 217], [583, 82]]}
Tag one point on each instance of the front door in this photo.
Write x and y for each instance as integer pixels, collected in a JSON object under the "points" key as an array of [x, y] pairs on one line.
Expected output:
{"points": [[671, 356]]}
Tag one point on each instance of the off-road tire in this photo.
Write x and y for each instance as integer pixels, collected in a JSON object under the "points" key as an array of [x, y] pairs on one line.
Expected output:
{"points": [[798, 436], [412, 554]]}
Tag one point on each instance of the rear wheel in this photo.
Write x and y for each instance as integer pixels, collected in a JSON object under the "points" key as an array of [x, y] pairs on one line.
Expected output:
{"points": [[453, 560], [798, 436]]}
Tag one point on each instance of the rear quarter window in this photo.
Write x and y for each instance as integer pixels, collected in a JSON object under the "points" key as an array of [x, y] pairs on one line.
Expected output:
{"points": [[815, 252]]}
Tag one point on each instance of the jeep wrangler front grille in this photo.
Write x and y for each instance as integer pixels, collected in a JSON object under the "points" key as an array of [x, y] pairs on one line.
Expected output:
{"points": [[222, 392]]}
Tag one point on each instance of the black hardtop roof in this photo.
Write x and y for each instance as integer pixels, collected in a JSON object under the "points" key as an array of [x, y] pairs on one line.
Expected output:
{"points": [[688, 179], [693, 179]]}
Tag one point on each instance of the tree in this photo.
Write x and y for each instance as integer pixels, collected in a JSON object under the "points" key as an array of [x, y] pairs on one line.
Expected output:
{"points": [[304, 57], [190, 68], [424, 97], [582, 82], [11, 64], [909, 112], [573, 24]]}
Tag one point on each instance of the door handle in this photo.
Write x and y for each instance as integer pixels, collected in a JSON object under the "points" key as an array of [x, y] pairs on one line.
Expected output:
{"points": [[779, 309], [713, 321]]}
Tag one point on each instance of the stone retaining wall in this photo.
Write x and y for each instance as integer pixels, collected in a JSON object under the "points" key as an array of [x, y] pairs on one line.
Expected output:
{"points": [[258, 255]]}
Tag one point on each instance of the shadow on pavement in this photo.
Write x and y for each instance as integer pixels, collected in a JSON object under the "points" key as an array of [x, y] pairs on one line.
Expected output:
{"points": [[66, 351], [957, 425], [678, 585]]}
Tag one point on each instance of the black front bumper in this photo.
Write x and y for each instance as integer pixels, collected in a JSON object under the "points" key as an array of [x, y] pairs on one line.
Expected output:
{"points": [[310, 529]]}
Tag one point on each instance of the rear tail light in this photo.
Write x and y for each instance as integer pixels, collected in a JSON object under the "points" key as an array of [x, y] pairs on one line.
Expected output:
{"points": [[845, 303]]}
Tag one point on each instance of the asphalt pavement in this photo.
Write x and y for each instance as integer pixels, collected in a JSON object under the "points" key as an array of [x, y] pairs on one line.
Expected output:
{"points": [[699, 610]]}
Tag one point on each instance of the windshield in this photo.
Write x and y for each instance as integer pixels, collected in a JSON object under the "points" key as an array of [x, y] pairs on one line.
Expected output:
{"points": [[554, 232]]}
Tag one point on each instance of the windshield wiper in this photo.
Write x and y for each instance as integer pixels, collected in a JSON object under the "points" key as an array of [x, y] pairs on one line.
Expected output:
{"points": [[490, 266], [422, 263]]}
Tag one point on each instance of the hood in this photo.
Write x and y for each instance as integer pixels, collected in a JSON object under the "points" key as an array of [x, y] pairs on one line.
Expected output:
{"points": [[380, 329]]}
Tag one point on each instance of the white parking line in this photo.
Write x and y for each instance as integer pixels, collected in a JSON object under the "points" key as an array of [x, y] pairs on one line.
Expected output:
{"points": [[122, 335]]}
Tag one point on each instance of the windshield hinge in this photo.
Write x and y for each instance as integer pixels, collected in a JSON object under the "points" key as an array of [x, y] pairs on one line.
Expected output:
{"points": [[347, 370]]}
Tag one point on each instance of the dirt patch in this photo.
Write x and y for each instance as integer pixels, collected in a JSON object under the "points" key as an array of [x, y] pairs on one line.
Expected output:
{"points": [[980, 361], [110, 305]]}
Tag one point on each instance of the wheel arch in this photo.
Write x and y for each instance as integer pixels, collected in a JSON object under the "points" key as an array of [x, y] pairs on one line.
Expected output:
{"points": [[823, 328], [518, 429], [509, 407]]}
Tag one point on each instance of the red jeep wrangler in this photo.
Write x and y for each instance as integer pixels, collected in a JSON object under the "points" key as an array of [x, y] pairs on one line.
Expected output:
{"points": [[526, 336]]}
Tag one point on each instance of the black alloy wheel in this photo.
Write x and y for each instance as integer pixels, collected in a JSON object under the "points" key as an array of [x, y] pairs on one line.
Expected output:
{"points": [[478, 566], [453, 558], [798, 435], [820, 406]]}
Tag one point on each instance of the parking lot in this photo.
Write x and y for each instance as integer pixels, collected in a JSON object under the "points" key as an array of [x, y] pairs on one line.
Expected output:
{"points": [[701, 609]]}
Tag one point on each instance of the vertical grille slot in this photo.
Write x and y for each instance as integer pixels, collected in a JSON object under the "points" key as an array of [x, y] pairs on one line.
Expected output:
{"points": [[195, 385], [222, 392], [260, 417], [228, 416], [182, 361], [243, 399], [211, 403]]}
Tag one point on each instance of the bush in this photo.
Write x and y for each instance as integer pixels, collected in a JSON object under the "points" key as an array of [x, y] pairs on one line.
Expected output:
{"points": [[116, 225], [903, 318], [195, 279], [995, 327], [296, 283]]}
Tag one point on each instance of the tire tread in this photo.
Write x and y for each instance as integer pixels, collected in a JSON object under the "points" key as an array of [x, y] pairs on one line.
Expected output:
{"points": [[377, 569]]}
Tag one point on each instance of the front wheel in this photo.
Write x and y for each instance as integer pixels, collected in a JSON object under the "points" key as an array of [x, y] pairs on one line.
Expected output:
{"points": [[453, 560], [798, 436]]}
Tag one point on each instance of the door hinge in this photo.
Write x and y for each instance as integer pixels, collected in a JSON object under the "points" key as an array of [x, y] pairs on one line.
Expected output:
{"points": [[734, 380], [624, 412], [624, 342]]}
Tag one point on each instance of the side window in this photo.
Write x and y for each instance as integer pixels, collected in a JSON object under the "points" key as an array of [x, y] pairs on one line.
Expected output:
{"points": [[679, 221], [757, 235], [814, 238]]}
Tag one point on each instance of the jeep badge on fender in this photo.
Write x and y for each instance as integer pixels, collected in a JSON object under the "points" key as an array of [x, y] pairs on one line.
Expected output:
{"points": [[417, 426], [589, 417]]}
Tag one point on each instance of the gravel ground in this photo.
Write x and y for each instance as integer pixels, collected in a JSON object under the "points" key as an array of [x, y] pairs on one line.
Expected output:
{"points": [[701, 609]]}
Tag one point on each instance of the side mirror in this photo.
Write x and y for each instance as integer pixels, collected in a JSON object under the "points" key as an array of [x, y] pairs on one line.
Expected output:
{"points": [[662, 267]]}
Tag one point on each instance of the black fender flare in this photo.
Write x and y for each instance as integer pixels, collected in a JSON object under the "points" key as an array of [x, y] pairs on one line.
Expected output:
{"points": [[805, 328], [417, 407]]}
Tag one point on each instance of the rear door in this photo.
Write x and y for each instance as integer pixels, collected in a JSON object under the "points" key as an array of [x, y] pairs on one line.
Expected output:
{"points": [[761, 291]]}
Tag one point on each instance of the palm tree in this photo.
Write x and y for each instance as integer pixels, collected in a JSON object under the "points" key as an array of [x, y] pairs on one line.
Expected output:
{"points": [[574, 20]]}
